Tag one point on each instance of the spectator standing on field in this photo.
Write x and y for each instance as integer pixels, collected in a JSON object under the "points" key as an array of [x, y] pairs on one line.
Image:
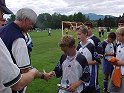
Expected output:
{"points": [[10, 75], [49, 31], [108, 30], [14, 39], [102, 31], [99, 30]]}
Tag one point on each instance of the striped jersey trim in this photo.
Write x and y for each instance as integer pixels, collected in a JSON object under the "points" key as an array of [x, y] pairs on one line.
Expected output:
{"points": [[23, 67], [13, 81]]}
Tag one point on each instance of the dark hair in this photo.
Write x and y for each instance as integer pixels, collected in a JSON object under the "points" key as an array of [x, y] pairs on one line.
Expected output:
{"points": [[121, 20], [112, 35], [89, 24]]}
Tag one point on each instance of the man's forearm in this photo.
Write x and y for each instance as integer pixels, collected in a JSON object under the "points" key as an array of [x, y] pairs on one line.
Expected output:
{"points": [[25, 79]]}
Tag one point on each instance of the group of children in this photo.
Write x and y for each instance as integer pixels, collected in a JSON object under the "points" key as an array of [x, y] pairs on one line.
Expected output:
{"points": [[78, 66]]}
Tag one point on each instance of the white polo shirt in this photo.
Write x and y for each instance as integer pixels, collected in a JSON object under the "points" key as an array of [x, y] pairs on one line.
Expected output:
{"points": [[120, 56], [20, 53], [9, 72], [109, 48]]}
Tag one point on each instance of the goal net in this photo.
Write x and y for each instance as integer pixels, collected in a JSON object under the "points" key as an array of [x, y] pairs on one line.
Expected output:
{"points": [[70, 27]]}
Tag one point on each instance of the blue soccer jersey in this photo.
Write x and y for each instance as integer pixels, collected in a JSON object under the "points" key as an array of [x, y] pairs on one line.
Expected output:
{"points": [[96, 42], [88, 50], [72, 69], [107, 48]]}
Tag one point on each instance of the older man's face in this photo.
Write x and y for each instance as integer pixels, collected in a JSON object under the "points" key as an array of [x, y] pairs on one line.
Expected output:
{"points": [[27, 25]]}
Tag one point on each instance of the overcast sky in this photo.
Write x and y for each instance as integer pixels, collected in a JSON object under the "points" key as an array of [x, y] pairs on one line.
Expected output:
{"points": [[104, 7]]}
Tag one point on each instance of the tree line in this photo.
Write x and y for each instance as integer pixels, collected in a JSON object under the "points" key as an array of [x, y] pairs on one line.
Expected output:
{"points": [[54, 21]]}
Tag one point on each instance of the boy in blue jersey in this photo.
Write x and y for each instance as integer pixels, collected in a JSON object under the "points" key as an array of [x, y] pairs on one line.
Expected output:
{"points": [[72, 68], [108, 53], [97, 43], [120, 63], [87, 49]]}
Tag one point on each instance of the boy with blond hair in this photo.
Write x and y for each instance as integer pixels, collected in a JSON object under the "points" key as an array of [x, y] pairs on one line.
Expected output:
{"points": [[72, 67], [120, 63], [87, 49]]}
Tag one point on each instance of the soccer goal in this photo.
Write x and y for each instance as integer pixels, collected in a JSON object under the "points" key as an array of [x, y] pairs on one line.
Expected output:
{"points": [[69, 27]]}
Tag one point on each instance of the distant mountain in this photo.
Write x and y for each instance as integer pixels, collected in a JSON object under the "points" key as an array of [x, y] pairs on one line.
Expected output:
{"points": [[93, 16]]}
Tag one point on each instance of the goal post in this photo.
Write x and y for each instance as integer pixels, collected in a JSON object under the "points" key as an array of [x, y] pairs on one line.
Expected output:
{"points": [[70, 25]]}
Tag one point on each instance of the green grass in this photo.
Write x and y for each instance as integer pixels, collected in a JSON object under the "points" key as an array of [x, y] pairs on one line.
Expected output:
{"points": [[45, 55]]}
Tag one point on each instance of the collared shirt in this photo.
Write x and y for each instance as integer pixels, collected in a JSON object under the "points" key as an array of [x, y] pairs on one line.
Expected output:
{"points": [[84, 50], [14, 40], [72, 69], [90, 40], [20, 53], [9, 72], [109, 48], [88, 50], [120, 55]]}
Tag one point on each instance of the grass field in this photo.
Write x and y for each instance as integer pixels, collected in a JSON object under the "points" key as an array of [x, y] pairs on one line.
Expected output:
{"points": [[45, 55]]}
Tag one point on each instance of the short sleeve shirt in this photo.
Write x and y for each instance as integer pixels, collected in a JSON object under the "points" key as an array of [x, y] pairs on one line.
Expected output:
{"points": [[120, 56], [20, 53], [9, 72]]}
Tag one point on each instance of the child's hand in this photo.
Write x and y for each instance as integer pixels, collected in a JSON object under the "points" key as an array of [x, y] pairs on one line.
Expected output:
{"points": [[113, 60], [119, 63], [46, 75], [51, 74], [73, 86]]}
